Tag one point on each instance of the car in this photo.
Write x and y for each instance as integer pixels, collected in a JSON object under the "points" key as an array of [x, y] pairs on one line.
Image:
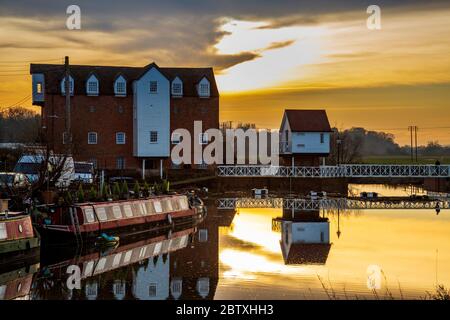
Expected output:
{"points": [[84, 172], [13, 180], [30, 165]]}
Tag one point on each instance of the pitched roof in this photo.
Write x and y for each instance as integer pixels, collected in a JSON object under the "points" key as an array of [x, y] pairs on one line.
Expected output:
{"points": [[308, 120], [106, 76], [306, 253]]}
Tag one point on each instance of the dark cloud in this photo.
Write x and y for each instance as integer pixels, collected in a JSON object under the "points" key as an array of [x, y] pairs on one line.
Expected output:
{"points": [[279, 45], [169, 32]]}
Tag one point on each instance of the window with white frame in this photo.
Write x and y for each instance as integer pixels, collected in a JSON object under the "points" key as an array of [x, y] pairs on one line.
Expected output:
{"points": [[63, 85], [153, 87], [120, 88], [120, 138], [152, 289], [176, 138], [92, 137], [120, 163], [92, 86], [39, 87], [203, 88], [153, 136], [177, 87], [203, 138]]}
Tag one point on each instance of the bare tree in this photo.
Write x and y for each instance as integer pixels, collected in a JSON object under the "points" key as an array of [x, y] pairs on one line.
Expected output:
{"points": [[345, 148]]}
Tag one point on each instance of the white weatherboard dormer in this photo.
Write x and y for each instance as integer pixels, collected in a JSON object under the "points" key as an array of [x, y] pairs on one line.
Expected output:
{"points": [[38, 87], [204, 88], [92, 85], [63, 86], [177, 87], [120, 87], [151, 114]]}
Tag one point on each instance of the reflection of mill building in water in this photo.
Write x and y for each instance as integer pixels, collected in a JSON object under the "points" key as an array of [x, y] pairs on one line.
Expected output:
{"points": [[194, 271], [305, 237]]}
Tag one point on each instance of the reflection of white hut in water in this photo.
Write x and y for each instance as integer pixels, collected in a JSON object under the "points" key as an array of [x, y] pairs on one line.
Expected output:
{"points": [[151, 282], [305, 239]]}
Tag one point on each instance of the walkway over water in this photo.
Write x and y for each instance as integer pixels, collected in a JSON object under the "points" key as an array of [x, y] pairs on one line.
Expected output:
{"points": [[341, 171], [332, 203]]}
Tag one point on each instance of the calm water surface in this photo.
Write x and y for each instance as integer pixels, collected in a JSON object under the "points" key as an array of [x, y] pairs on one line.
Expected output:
{"points": [[239, 255]]}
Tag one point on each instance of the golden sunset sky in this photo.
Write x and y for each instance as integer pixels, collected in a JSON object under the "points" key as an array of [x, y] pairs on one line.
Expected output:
{"points": [[268, 56]]}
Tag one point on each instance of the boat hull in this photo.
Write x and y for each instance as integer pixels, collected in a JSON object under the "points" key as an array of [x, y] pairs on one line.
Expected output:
{"points": [[64, 235], [18, 252]]}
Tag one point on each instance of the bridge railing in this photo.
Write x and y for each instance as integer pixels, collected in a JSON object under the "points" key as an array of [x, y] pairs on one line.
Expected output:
{"points": [[330, 203], [345, 170]]}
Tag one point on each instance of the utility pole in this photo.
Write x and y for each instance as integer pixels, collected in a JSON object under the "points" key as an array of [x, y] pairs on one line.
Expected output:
{"points": [[410, 129], [415, 133], [68, 135]]}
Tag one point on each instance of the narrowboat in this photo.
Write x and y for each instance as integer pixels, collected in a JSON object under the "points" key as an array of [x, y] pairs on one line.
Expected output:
{"points": [[16, 284], [85, 222], [18, 239]]}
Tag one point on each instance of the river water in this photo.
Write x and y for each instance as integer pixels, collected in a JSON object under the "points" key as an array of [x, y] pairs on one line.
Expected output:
{"points": [[361, 254]]}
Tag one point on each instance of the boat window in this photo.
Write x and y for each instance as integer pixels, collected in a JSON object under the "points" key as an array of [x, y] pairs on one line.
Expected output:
{"points": [[157, 205], [165, 246], [101, 214], [183, 203], [89, 215], [142, 252], [3, 232], [175, 204], [167, 205], [89, 267], [117, 213], [184, 241], [127, 257], [143, 208], [157, 248], [116, 260], [128, 211], [150, 207], [100, 266]]}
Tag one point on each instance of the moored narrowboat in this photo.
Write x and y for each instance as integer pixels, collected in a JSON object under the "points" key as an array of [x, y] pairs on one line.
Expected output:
{"points": [[18, 240], [86, 221]]}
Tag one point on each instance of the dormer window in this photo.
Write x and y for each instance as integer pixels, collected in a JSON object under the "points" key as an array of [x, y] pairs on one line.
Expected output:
{"points": [[120, 87], [177, 87], [204, 88], [63, 86], [92, 86]]}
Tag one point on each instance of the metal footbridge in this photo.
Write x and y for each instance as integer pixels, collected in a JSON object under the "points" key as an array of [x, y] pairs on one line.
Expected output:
{"points": [[332, 203], [341, 171]]}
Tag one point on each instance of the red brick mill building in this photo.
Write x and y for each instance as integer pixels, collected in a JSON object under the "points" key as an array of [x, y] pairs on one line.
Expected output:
{"points": [[122, 118]]}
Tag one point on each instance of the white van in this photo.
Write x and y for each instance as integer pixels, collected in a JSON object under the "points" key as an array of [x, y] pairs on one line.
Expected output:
{"points": [[30, 165]]}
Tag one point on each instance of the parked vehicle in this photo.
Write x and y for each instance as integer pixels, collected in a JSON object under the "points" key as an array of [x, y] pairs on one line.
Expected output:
{"points": [[13, 180], [31, 166], [84, 172], [87, 221]]}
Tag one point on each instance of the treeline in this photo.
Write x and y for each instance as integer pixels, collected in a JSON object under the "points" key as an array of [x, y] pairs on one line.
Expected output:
{"points": [[375, 143], [19, 125]]}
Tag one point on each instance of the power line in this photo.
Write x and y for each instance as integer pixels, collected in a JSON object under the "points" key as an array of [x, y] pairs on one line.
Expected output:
{"points": [[31, 61], [23, 100]]}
